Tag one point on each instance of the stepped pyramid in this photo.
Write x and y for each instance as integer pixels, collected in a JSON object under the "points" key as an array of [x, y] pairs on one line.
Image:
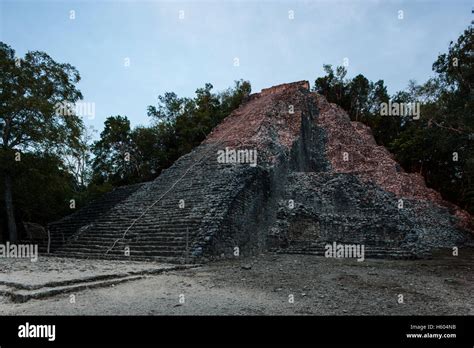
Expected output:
{"points": [[318, 178]]}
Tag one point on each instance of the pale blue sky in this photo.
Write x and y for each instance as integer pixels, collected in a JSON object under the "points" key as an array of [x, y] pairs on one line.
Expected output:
{"points": [[171, 54]]}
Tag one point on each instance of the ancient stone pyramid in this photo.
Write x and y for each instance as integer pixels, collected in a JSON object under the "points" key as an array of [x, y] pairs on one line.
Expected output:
{"points": [[319, 178]]}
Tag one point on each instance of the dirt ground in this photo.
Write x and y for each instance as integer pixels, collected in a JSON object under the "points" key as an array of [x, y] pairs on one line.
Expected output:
{"points": [[267, 284]]}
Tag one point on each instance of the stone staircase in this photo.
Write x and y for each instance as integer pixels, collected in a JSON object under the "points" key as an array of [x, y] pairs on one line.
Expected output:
{"points": [[237, 205], [158, 220], [69, 226]]}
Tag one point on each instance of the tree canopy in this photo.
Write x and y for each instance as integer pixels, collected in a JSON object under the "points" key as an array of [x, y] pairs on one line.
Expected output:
{"points": [[31, 88]]}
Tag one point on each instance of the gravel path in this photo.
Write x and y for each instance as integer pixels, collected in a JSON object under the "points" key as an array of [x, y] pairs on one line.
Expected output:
{"points": [[266, 285]]}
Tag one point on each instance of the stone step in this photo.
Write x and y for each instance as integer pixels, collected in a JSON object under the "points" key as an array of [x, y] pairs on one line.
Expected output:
{"points": [[119, 250], [155, 240], [164, 235], [132, 233], [25, 295], [102, 256], [133, 247], [145, 224]]}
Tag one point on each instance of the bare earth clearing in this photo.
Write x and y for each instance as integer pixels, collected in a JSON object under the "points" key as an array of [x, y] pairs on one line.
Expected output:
{"points": [[254, 286]]}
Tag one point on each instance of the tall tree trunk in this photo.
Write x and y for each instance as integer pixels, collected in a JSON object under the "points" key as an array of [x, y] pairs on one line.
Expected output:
{"points": [[9, 209]]}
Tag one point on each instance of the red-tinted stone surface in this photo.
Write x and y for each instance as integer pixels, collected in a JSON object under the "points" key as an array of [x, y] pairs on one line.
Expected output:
{"points": [[255, 123], [372, 163]]}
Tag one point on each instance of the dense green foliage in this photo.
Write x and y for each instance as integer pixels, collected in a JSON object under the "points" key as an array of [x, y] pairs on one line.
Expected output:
{"points": [[32, 132], [42, 188]]}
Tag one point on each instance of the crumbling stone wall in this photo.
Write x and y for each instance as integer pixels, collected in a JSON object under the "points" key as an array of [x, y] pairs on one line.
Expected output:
{"points": [[345, 209], [362, 196]]}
